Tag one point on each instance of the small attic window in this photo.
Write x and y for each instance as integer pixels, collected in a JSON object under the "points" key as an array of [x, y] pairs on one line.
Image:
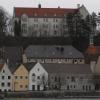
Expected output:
{"points": [[45, 14], [24, 17], [35, 14], [54, 14]]}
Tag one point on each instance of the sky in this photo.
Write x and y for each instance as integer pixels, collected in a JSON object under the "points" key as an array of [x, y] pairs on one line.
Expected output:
{"points": [[91, 5]]}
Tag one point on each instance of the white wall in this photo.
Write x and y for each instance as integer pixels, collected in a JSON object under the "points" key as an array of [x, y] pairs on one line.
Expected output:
{"points": [[38, 70], [5, 72]]}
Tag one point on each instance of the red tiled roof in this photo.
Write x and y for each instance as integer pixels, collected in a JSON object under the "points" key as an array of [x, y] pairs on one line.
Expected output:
{"points": [[43, 12], [1, 66], [93, 50]]}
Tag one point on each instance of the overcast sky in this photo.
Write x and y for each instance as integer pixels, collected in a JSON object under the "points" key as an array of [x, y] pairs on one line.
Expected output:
{"points": [[91, 5]]}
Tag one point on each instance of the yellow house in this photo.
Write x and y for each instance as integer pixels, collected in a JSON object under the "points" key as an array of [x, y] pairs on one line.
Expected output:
{"points": [[20, 79]]}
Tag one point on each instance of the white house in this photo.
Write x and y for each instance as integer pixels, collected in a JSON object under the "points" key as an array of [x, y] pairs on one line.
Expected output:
{"points": [[5, 78], [38, 78]]}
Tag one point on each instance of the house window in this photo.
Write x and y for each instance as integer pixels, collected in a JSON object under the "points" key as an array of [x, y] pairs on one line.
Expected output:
{"points": [[33, 77], [26, 86], [24, 28], [21, 77], [3, 84], [21, 86], [8, 84], [35, 19], [67, 87], [38, 77], [73, 79], [26, 77], [16, 77], [38, 69], [55, 78], [3, 71], [3, 77], [55, 32], [9, 77]]}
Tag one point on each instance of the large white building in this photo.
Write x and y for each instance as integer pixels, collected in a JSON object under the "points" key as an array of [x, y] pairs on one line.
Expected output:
{"points": [[45, 22]]}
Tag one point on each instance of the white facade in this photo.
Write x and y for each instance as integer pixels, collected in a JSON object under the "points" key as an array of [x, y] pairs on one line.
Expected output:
{"points": [[38, 78], [5, 79], [44, 27]]}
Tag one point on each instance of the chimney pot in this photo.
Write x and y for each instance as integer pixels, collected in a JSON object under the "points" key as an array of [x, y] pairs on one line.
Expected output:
{"points": [[39, 6]]}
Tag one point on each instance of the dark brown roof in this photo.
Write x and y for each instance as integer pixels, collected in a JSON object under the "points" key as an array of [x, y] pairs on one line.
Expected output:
{"points": [[54, 51], [68, 68], [43, 12], [1, 66]]}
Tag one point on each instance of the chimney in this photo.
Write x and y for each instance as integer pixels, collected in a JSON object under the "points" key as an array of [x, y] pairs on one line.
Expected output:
{"points": [[39, 6], [59, 7], [78, 5], [93, 65]]}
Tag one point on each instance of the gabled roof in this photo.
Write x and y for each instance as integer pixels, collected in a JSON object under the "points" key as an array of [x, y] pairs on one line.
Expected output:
{"points": [[54, 51], [43, 12], [67, 68], [13, 66], [29, 66]]}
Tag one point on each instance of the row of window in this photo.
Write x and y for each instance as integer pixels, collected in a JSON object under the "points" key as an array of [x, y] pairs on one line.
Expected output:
{"points": [[3, 84], [56, 60], [24, 19], [5, 77], [22, 86], [21, 77]]}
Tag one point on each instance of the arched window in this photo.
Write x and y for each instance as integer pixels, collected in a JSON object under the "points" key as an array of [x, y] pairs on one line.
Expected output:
{"points": [[33, 77]]}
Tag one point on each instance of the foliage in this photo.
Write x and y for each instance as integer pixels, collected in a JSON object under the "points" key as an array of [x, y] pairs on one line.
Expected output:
{"points": [[17, 28]]}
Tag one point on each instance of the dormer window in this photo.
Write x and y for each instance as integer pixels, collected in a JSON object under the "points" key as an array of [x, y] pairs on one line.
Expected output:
{"points": [[24, 18], [54, 14], [35, 14]]}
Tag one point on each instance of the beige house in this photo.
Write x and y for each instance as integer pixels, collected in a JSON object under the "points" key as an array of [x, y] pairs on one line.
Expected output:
{"points": [[20, 78]]}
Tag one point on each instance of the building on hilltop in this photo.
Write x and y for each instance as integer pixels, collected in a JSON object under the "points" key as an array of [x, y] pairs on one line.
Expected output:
{"points": [[44, 22], [53, 54]]}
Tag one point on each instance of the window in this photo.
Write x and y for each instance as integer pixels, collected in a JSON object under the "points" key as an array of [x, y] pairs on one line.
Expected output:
{"points": [[3, 71], [3, 84], [21, 77], [24, 28], [38, 77], [3, 77], [26, 77], [38, 69], [9, 77], [33, 77], [21, 86], [8, 84], [35, 19], [24, 18], [55, 32], [73, 79], [68, 87], [55, 78], [26, 86], [16, 77]]}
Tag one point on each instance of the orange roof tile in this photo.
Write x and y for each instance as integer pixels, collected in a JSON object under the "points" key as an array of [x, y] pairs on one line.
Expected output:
{"points": [[43, 12], [93, 50]]}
